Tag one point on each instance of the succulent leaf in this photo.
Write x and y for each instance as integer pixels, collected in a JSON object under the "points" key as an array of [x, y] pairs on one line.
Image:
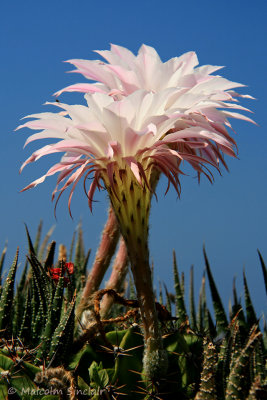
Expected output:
{"points": [[192, 308], [7, 295], [57, 342], [38, 237], [251, 315], [2, 259], [264, 270], [221, 318], [179, 298], [207, 390], [236, 387]]}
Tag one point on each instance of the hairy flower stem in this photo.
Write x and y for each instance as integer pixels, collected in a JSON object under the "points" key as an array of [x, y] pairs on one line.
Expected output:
{"points": [[115, 282], [108, 243], [117, 277], [131, 204]]}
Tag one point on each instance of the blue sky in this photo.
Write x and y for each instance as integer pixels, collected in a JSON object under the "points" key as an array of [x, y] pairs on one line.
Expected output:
{"points": [[230, 216]]}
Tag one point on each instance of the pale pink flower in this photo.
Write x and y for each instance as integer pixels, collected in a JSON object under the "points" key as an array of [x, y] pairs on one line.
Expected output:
{"points": [[141, 131], [203, 101], [124, 73]]}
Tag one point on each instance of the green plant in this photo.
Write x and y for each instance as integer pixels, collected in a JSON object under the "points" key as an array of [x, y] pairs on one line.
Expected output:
{"points": [[45, 352]]}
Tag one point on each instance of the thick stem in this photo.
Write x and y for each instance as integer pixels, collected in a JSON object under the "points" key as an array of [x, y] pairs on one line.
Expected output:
{"points": [[155, 358], [131, 203], [109, 240]]}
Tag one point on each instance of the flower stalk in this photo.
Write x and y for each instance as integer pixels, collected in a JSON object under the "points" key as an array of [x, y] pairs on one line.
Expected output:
{"points": [[117, 277], [108, 243], [131, 203], [115, 282]]}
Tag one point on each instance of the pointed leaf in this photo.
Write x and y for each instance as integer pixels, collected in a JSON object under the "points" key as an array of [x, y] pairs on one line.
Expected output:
{"points": [[44, 243], [236, 387], [38, 237], [192, 300], [2, 259], [50, 256], [251, 315], [31, 247], [264, 270], [220, 315], [179, 299], [7, 295]]}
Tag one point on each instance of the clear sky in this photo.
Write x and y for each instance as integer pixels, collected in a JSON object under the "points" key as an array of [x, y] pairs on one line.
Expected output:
{"points": [[230, 216]]}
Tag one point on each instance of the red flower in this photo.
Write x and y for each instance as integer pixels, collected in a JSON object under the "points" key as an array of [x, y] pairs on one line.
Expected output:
{"points": [[70, 267], [56, 273]]}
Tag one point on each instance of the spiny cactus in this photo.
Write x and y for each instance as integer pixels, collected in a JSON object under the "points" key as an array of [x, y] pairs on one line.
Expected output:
{"points": [[44, 347], [238, 376], [7, 297], [207, 390]]}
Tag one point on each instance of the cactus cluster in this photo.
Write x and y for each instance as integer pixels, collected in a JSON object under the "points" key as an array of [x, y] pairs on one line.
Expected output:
{"points": [[47, 351]]}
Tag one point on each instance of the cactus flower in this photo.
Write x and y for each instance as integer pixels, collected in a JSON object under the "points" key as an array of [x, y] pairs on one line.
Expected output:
{"points": [[124, 73], [142, 117]]}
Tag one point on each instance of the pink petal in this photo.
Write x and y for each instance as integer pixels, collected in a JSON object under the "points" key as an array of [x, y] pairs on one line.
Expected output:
{"points": [[81, 87]]}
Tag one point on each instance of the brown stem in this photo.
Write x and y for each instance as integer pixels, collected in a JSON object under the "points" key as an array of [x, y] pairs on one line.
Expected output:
{"points": [[119, 271], [117, 277], [108, 243]]}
